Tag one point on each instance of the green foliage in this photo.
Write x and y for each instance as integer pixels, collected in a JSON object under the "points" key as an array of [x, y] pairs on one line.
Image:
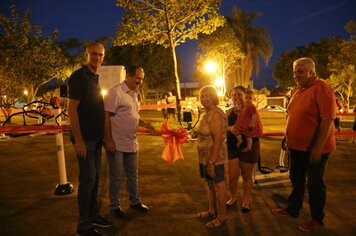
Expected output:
{"points": [[351, 28], [264, 91], [28, 59], [74, 50], [154, 59], [221, 46], [163, 21], [318, 51], [342, 67], [168, 23], [255, 43]]}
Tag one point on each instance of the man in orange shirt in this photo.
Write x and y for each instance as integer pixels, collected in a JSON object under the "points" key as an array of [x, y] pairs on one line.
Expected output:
{"points": [[310, 139]]}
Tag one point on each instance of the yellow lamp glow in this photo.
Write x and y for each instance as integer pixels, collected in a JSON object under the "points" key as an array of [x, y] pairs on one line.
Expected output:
{"points": [[210, 66], [219, 81], [104, 92]]}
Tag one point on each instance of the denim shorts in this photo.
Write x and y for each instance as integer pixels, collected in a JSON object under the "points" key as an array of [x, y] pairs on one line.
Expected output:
{"points": [[219, 173]]}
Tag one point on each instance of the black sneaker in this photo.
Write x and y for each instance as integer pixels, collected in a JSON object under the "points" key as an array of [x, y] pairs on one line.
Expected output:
{"points": [[88, 232], [140, 207], [119, 213], [101, 222]]}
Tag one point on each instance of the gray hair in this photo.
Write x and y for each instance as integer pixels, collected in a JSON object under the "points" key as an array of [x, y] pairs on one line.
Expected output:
{"points": [[211, 90], [305, 61]]}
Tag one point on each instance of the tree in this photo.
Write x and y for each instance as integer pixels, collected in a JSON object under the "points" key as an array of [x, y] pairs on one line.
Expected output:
{"points": [[223, 47], [351, 28], [28, 60], [318, 51], [342, 67], [255, 42], [168, 23], [154, 59]]}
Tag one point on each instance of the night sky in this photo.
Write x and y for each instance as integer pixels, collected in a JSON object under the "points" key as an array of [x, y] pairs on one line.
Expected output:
{"points": [[291, 23]]}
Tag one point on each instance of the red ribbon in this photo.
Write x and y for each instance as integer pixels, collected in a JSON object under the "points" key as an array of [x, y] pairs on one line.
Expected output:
{"points": [[173, 139]]}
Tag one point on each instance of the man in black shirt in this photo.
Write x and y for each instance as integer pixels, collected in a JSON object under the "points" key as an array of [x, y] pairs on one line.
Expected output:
{"points": [[86, 113]]}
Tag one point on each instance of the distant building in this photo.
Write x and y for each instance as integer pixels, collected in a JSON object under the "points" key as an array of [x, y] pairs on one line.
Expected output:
{"points": [[189, 89], [110, 76]]}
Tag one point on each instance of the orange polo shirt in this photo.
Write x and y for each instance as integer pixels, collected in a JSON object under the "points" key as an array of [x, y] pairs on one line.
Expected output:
{"points": [[306, 109]]}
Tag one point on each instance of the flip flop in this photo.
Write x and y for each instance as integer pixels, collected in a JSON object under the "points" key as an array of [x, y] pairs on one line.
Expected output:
{"points": [[212, 225], [205, 215]]}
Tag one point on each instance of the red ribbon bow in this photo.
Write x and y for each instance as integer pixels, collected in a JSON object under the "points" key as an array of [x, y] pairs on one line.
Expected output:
{"points": [[173, 139]]}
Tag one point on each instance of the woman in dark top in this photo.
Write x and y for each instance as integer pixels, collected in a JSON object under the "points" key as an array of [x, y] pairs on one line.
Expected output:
{"points": [[239, 161]]}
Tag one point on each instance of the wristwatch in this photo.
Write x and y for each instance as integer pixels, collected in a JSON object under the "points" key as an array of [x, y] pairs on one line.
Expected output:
{"points": [[211, 162]]}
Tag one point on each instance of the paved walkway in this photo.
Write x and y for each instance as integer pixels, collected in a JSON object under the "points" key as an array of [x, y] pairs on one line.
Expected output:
{"points": [[174, 193]]}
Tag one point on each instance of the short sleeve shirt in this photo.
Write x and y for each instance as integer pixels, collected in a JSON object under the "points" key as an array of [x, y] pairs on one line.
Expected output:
{"points": [[123, 106], [205, 138], [307, 108], [83, 85]]}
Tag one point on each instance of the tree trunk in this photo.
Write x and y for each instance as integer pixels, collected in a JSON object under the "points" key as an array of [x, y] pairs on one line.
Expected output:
{"points": [[176, 77], [172, 46]]}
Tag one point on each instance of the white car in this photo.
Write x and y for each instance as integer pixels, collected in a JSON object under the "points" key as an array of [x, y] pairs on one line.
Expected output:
{"points": [[275, 108]]}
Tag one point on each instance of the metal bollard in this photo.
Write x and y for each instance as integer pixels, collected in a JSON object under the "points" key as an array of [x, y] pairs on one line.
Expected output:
{"points": [[64, 187]]}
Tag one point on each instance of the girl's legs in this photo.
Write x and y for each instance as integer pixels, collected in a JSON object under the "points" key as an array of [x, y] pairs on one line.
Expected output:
{"points": [[234, 174], [247, 171]]}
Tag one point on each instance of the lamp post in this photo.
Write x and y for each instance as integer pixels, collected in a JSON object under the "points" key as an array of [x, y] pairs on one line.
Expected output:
{"points": [[25, 92], [212, 67]]}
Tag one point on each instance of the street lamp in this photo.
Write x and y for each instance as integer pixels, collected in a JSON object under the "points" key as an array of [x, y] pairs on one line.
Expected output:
{"points": [[213, 68], [25, 92], [220, 85]]}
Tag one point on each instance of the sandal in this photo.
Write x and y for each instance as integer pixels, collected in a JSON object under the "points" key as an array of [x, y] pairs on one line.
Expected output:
{"points": [[205, 215], [218, 223]]}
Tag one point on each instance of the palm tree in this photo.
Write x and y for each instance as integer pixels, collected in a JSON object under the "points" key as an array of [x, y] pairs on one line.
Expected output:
{"points": [[255, 43]]}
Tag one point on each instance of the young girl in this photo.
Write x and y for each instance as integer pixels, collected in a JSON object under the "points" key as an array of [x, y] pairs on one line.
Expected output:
{"points": [[248, 122]]}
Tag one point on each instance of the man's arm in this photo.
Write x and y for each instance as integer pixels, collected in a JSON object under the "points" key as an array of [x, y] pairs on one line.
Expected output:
{"points": [[108, 140], [316, 151], [79, 145]]}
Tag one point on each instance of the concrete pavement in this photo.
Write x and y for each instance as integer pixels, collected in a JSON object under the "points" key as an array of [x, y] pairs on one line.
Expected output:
{"points": [[174, 193]]}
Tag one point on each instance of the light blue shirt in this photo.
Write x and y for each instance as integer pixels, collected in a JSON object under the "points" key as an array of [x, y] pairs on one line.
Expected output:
{"points": [[122, 104]]}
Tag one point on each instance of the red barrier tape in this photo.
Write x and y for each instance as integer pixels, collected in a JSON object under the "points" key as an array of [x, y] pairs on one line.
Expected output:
{"points": [[32, 129], [54, 128]]}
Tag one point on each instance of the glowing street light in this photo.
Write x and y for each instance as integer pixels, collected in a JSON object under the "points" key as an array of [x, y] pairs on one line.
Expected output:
{"points": [[219, 81], [25, 92], [213, 68], [210, 67]]}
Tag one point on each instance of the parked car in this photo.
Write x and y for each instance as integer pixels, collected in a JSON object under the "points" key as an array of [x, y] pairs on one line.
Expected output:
{"points": [[274, 108]]}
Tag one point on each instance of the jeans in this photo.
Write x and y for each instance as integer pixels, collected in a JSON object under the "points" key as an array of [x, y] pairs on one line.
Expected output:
{"points": [[121, 164], [89, 173], [300, 167]]}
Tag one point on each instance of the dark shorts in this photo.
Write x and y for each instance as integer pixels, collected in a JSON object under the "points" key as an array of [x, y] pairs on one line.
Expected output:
{"points": [[249, 157], [219, 173], [171, 110]]}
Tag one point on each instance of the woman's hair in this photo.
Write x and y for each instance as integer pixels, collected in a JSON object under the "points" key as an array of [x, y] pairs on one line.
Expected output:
{"points": [[240, 88], [305, 61], [209, 89]]}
